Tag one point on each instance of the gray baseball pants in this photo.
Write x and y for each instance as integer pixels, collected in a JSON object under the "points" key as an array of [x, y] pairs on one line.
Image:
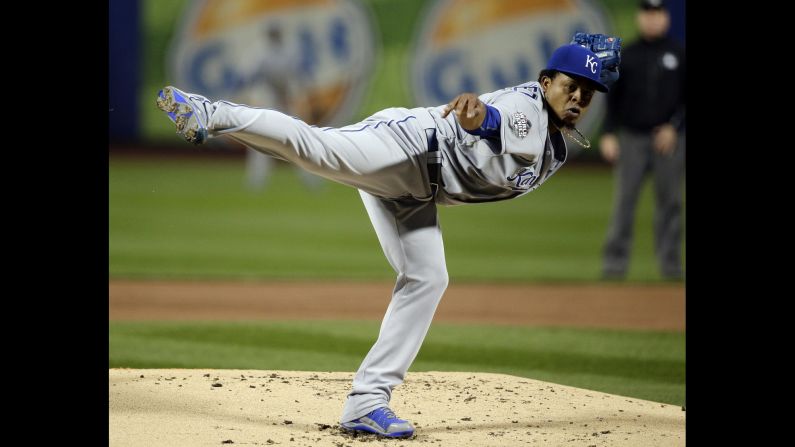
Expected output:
{"points": [[385, 158], [636, 159]]}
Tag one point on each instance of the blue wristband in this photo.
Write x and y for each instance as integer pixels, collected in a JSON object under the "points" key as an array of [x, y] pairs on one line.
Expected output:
{"points": [[491, 124]]}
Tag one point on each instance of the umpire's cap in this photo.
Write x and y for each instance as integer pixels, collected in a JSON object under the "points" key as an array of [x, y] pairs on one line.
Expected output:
{"points": [[578, 61], [648, 5]]}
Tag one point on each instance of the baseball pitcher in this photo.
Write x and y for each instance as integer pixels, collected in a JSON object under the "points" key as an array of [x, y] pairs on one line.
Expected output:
{"points": [[404, 162]]}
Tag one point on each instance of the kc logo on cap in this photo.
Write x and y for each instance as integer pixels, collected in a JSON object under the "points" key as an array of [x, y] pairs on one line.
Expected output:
{"points": [[590, 63], [569, 59]]}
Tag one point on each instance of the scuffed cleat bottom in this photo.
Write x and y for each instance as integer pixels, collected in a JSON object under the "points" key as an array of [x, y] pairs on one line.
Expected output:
{"points": [[180, 111]]}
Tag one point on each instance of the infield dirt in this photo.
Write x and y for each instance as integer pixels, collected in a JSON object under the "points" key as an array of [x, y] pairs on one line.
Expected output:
{"points": [[615, 306]]}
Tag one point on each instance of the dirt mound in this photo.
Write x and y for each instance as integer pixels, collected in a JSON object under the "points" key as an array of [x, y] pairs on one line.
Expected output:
{"points": [[179, 407]]}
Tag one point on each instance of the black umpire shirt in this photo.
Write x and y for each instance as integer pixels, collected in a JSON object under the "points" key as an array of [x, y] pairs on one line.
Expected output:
{"points": [[650, 90]]}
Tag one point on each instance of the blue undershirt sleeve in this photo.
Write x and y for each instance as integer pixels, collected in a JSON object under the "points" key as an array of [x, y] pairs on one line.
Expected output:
{"points": [[491, 125]]}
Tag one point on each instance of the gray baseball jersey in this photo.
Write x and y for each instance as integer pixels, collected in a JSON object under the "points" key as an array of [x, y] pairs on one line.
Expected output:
{"points": [[386, 158], [476, 169]]}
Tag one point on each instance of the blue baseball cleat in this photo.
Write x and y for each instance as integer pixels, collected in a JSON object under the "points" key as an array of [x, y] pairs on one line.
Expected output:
{"points": [[190, 112], [382, 422]]}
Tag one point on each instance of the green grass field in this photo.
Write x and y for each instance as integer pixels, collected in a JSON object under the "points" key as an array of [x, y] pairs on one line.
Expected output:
{"points": [[192, 218], [646, 365], [185, 218]]}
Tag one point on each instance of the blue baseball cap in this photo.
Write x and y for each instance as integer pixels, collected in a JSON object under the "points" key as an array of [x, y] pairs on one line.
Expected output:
{"points": [[576, 60]]}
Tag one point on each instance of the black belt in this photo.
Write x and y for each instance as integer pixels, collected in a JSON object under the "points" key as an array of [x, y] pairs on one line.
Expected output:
{"points": [[434, 161]]}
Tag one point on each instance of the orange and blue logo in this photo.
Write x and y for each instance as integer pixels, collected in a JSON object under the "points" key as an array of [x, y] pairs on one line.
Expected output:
{"points": [[482, 46], [308, 58]]}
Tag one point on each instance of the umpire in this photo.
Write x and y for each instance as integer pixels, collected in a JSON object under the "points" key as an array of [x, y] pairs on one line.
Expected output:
{"points": [[645, 132]]}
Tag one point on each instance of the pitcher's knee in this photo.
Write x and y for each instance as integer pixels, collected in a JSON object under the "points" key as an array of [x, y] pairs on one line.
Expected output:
{"points": [[444, 280], [437, 279]]}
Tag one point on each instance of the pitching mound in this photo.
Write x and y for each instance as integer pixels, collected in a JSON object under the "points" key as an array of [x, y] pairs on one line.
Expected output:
{"points": [[178, 407]]}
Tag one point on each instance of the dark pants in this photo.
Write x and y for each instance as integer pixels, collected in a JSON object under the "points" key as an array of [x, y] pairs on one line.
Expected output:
{"points": [[636, 159]]}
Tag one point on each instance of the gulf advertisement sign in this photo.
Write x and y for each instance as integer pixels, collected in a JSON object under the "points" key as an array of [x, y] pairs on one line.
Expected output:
{"points": [[484, 45], [221, 47]]}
